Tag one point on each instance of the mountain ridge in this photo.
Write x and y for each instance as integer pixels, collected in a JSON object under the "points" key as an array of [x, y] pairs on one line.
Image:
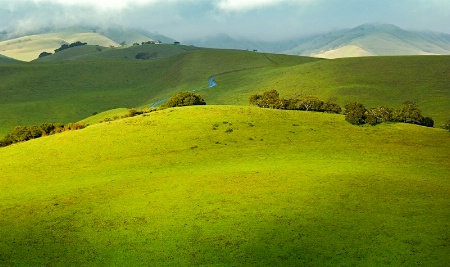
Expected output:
{"points": [[363, 40]]}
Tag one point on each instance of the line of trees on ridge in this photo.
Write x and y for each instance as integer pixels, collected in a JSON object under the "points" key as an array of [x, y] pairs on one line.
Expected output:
{"points": [[63, 47], [355, 113], [271, 99], [25, 133]]}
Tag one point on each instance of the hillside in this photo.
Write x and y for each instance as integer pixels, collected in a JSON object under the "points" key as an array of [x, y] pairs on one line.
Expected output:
{"points": [[97, 53], [239, 186], [5, 59], [373, 40], [68, 91], [373, 81]]}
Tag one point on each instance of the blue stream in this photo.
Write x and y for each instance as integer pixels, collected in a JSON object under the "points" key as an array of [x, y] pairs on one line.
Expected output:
{"points": [[211, 83]]}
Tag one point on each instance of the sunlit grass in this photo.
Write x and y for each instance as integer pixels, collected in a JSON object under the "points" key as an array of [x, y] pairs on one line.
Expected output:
{"points": [[227, 186]]}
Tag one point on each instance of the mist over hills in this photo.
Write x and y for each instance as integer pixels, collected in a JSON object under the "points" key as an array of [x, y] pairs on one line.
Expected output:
{"points": [[364, 40], [28, 47]]}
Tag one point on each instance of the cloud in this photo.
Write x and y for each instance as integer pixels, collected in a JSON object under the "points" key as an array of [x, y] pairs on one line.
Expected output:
{"points": [[247, 5], [100, 4], [265, 19]]}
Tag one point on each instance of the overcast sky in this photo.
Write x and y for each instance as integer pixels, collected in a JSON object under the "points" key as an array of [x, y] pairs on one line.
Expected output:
{"points": [[262, 19]]}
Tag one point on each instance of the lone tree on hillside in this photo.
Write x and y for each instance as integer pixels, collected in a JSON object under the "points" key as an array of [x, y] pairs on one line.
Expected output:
{"points": [[185, 99]]}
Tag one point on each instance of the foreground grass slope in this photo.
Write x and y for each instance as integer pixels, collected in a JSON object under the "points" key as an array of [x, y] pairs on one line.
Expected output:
{"points": [[228, 186]]}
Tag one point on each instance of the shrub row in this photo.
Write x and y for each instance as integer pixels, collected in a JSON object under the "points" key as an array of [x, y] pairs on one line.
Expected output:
{"points": [[25, 133], [67, 46], [271, 99], [131, 113], [357, 114]]}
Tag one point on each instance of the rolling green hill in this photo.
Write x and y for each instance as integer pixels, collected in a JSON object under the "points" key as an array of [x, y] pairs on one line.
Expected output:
{"points": [[96, 53], [227, 186], [373, 81], [68, 91]]}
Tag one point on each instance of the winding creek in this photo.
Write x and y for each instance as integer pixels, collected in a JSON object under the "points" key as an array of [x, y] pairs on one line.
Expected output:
{"points": [[211, 83]]}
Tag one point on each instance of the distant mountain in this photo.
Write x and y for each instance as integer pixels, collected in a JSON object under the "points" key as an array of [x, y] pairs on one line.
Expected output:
{"points": [[373, 40], [364, 40], [130, 36], [225, 41]]}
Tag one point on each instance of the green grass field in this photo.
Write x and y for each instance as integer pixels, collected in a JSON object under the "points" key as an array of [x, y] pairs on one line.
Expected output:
{"points": [[228, 186], [67, 91], [77, 82]]}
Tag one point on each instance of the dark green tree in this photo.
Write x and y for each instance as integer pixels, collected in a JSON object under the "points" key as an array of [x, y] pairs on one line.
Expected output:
{"points": [[378, 115], [447, 125], [355, 113], [408, 113], [427, 121], [185, 99], [310, 103], [331, 107], [269, 99]]}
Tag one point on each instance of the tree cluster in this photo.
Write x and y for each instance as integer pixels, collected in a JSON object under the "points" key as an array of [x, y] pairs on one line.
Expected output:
{"points": [[25, 133], [357, 114], [146, 55], [67, 46], [271, 99], [44, 54], [185, 99]]}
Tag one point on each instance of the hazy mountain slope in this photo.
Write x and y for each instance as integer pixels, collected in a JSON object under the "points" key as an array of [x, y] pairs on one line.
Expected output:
{"points": [[5, 59], [28, 48], [119, 35], [227, 42], [345, 51], [376, 39]]}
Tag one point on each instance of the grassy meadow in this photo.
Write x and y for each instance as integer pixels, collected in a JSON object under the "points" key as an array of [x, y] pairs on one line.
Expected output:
{"points": [[77, 82], [68, 91], [228, 186]]}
